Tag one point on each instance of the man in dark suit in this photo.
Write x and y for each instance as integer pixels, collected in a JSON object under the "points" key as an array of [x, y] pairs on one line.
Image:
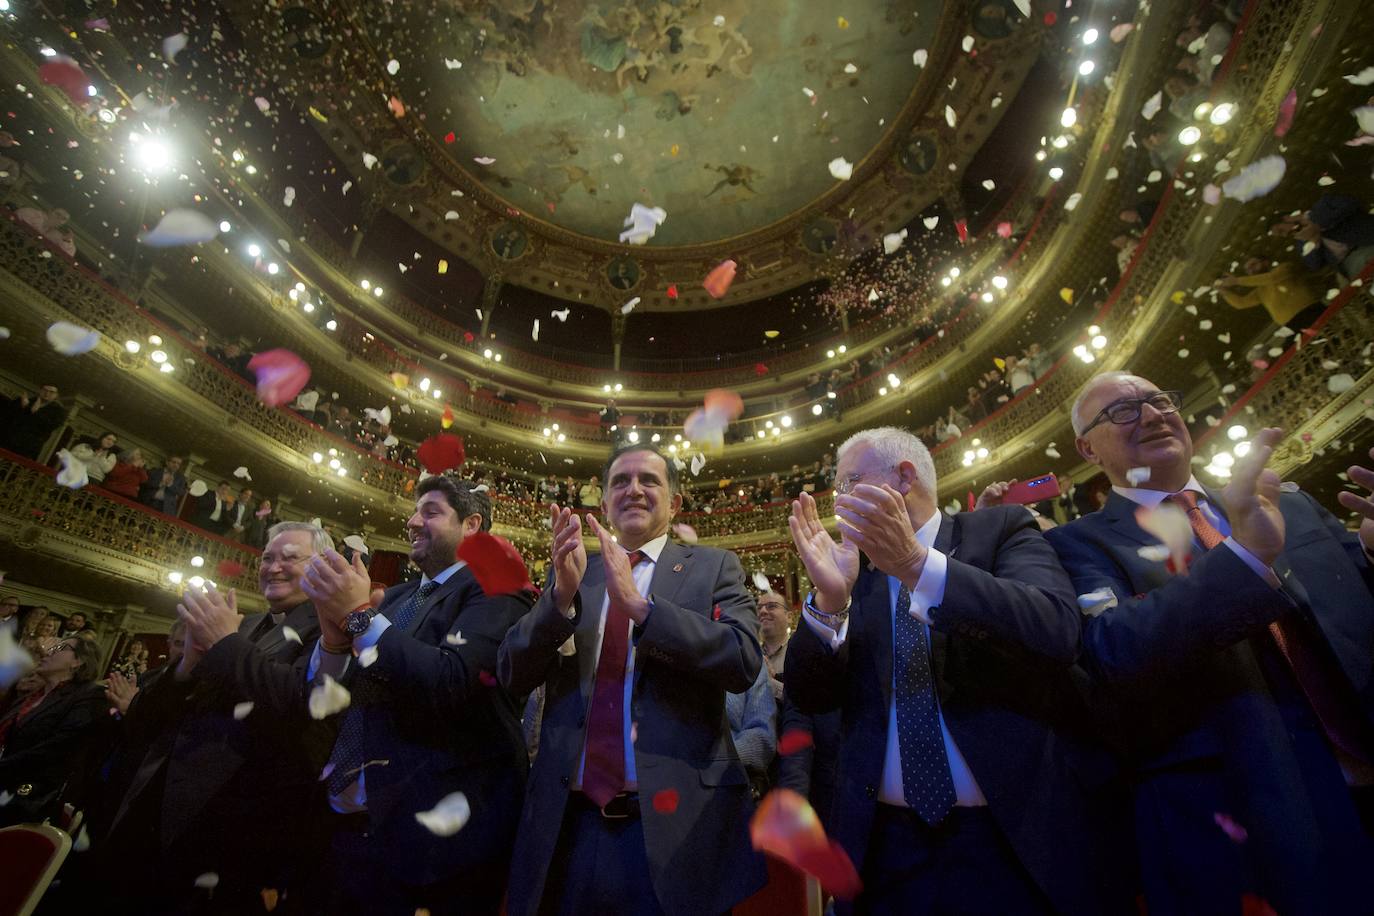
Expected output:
{"points": [[947, 651], [427, 728], [1241, 690], [214, 510], [215, 771], [638, 802], [165, 487], [28, 421]]}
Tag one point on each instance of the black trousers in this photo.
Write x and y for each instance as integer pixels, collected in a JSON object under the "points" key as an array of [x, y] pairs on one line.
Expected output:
{"points": [[600, 866], [963, 865]]}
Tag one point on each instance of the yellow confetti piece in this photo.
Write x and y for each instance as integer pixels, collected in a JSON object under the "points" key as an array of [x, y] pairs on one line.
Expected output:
{"points": [[674, 150], [1177, 298], [443, 266], [771, 334], [400, 379], [1067, 295], [842, 22], [318, 115]]}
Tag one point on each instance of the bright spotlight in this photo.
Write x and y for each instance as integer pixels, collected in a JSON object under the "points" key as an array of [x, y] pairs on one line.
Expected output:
{"points": [[1089, 36], [1056, 173]]}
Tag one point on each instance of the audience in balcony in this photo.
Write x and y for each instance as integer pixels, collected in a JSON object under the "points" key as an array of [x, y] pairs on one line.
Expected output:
{"points": [[262, 519], [134, 662], [9, 616], [240, 515], [97, 454], [1280, 288], [29, 420], [1018, 376], [1037, 360], [233, 358], [52, 225], [212, 511], [128, 475], [46, 732], [1337, 232], [589, 494], [165, 487]]}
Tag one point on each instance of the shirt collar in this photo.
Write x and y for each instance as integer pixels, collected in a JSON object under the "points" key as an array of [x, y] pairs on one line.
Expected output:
{"points": [[443, 576], [277, 617], [1151, 499], [652, 549]]}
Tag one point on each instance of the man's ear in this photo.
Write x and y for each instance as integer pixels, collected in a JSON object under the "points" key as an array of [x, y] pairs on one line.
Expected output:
{"points": [[906, 477], [1085, 448], [472, 524]]}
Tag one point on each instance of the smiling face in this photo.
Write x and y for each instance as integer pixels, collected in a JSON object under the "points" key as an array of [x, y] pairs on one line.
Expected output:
{"points": [[1158, 441], [108, 441], [283, 567], [772, 616], [436, 531], [637, 501]]}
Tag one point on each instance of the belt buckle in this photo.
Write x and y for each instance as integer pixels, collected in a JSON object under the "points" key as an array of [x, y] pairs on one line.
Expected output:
{"points": [[605, 812]]}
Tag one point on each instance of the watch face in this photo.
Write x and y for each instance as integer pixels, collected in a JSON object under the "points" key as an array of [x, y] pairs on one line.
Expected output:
{"points": [[356, 623]]}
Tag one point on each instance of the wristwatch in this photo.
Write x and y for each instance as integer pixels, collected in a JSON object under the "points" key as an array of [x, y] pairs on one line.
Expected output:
{"points": [[357, 622]]}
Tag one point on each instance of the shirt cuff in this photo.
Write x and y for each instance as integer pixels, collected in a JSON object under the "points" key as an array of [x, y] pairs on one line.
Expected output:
{"points": [[828, 636], [1252, 561], [930, 588], [374, 631]]}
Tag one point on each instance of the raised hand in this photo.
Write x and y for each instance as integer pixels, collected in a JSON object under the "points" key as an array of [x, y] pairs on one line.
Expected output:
{"points": [[1362, 504], [568, 554], [210, 615], [1252, 500], [992, 494], [877, 521], [620, 580], [833, 568], [120, 691], [336, 587]]}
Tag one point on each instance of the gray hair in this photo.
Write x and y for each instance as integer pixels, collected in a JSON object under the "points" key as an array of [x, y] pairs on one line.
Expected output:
{"points": [[319, 538], [895, 445], [1076, 414]]}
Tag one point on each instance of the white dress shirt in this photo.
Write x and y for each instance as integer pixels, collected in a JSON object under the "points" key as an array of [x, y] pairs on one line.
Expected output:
{"points": [[1151, 499], [354, 798], [928, 593], [643, 575]]}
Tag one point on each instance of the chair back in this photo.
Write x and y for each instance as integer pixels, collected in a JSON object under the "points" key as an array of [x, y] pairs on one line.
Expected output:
{"points": [[32, 854], [788, 892]]}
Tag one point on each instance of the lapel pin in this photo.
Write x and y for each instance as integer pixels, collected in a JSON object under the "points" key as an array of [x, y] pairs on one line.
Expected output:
{"points": [[677, 568]]}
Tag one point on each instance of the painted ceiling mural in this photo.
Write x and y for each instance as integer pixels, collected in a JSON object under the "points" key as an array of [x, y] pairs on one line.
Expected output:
{"points": [[717, 112]]}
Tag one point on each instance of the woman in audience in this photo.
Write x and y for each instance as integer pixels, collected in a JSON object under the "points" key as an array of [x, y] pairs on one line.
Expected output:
{"points": [[97, 454], [44, 733], [135, 660], [128, 474], [263, 519]]}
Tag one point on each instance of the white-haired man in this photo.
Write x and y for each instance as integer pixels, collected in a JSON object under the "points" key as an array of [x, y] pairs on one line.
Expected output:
{"points": [[1240, 686], [947, 647]]}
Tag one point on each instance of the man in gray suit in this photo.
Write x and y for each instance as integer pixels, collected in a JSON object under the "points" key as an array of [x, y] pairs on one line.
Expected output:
{"points": [[637, 802]]}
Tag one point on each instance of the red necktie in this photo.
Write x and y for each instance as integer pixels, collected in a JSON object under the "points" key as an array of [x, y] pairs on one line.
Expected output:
{"points": [[1314, 676], [604, 775]]}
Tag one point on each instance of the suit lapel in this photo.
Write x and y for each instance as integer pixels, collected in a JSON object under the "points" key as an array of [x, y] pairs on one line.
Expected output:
{"points": [[668, 577], [435, 598], [593, 595], [947, 542], [1120, 514]]}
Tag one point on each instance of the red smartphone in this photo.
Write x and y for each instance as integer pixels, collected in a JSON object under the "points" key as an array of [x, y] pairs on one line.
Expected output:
{"points": [[1026, 492]]}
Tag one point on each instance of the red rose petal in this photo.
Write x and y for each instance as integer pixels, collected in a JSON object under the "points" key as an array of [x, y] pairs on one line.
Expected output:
{"points": [[1004, 230], [1287, 109], [449, 137], [65, 74], [672, 290], [281, 375], [441, 452], [760, 369], [487, 678], [793, 741], [1236, 832], [724, 402], [718, 281], [961, 227], [495, 562], [786, 826], [665, 801], [1051, 18], [1250, 905], [228, 569]]}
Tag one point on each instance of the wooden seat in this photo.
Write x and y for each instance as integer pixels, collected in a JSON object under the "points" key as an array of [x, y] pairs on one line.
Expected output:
{"points": [[32, 854]]}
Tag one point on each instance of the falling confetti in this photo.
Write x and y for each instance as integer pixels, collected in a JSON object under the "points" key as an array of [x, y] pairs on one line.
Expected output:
{"points": [[642, 223], [241, 710], [281, 375], [173, 45], [448, 816], [393, 66], [327, 698], [1136, 476], [761, 582], [786, 826], [70, 339], [1256, 179], [441, 452], [666, 801], [717, 282], [15, 661], [495, 562], [1095, 602], [841, 168]]}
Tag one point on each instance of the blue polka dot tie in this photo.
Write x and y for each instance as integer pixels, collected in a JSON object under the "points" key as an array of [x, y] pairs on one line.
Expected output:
{"points": [[927, 784]]}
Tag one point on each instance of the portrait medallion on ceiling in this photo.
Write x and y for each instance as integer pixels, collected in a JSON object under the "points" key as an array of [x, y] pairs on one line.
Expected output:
{"points": [[725, 114]]}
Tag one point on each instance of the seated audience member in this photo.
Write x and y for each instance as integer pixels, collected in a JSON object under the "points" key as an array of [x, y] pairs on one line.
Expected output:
{"points": [[27, 422], [44, 734], [234, 359], [98, 455], [165, 487], [960, 775], [753, 718], [221, 788], [212, 511], [74, 625], [128, 475], [134, 661], [1283, 292], [45, 634], [1239, 690]]}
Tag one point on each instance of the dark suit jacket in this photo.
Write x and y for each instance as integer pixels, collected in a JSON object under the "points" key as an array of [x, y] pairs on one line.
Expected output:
{"points": [[47, 748], [24, 430], [1189, 674], [698, 644], [1002, 642], [220, 778], [439, 719], [204, 506]]}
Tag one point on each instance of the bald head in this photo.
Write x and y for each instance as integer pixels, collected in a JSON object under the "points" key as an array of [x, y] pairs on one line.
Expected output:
{"points": [[1125, 422]]}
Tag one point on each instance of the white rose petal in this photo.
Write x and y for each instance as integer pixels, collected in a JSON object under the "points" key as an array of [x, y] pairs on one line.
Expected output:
{"points": [[72, 340], [761, 582], [241, 710], [447, 817], [327, 698], [368, 656], [841, 168], [1095, 602], [1136, 476], [289, 634]]}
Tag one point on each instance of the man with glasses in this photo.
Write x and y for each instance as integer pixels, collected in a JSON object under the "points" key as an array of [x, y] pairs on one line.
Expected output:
{"points": [[774, 628], [1238, 685], [946, 644], [226, 787]]}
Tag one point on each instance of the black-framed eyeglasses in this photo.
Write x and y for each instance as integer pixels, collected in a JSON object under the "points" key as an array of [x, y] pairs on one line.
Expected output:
{"points": [[53, 650], [1127, 410]]}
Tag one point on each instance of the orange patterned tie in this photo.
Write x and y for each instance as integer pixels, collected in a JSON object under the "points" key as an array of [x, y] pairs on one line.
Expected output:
{"points": [[1313, 675]]}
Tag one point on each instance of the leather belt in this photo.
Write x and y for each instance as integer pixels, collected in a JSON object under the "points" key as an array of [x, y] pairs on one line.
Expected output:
{"points": [[623, 806]]}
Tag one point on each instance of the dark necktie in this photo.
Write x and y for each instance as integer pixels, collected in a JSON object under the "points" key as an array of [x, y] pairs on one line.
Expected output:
{"points": [[604, 774], [927, 784], [346, 759], [1314, 677]]}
